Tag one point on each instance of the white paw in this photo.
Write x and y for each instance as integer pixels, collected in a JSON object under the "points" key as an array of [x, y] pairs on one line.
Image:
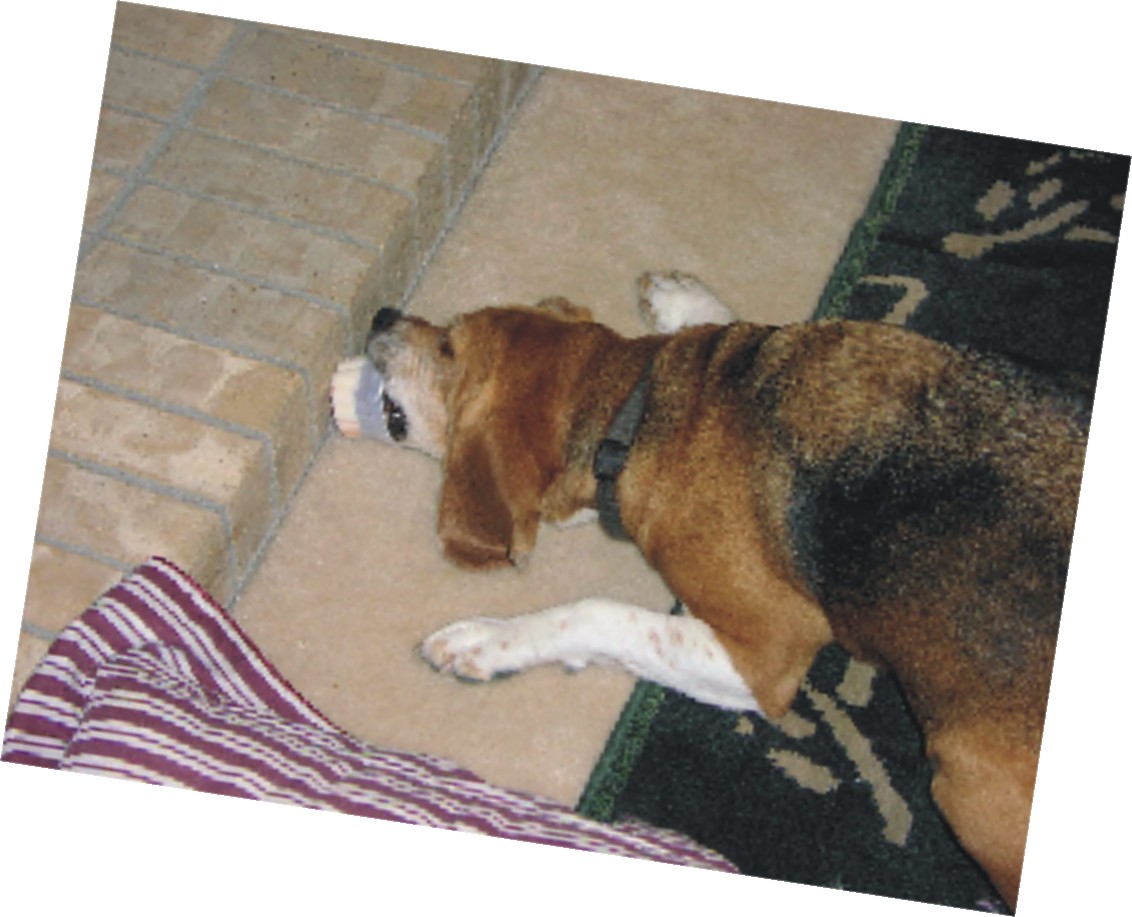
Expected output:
{"points": [[675, 300], [477, 649]]}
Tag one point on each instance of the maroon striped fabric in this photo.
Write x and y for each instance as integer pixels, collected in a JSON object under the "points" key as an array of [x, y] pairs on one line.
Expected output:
{"points": [[155, 682]]}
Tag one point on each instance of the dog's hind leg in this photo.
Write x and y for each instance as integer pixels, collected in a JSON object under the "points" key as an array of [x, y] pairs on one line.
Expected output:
{"points": [[676, 651], [675, 300], [984, 786]]}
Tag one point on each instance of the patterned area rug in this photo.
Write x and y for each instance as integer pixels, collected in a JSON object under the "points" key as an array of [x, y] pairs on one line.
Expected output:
{"points": [[997, 244]]}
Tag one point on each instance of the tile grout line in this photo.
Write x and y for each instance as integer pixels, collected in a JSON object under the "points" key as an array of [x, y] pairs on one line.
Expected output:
{"points": [[289, 157], [180, 118], [232, 273], [123, 567], [356, 114], [378, 58], [252, 280], [156, 487], [333, 42], [273, 529], [454, 210], [132, 179], [273, 152], [106, 560], [139, 176], [215, 343], [193, 414], [269, 29], [216, 270], [469, 186], [495, 97], [335, 235], [38, 631]]}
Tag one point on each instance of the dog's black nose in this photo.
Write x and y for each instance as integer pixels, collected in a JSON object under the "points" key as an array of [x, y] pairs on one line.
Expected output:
{"points": [[385, 319]]}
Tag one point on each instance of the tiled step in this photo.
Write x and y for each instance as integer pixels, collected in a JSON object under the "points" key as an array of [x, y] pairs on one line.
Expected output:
{"points": [[256, 194]]}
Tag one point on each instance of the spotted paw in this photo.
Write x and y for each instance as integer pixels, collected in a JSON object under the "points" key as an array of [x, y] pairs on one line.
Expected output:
{"points": [[478, 649]]}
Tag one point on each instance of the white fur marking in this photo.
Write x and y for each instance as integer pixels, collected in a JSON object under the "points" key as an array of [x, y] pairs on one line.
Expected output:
{"points": [[584, 516], [679, 652], [677, 300]]}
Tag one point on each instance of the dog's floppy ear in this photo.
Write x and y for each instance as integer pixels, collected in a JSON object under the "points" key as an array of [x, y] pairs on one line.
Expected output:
{"points": [[489, 502]]}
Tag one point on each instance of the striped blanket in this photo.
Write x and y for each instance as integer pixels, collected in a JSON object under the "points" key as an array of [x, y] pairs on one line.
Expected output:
{"points": [[156, 682]]}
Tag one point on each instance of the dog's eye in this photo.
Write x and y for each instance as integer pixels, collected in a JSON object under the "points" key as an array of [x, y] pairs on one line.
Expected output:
{"points": [[395, 420]]}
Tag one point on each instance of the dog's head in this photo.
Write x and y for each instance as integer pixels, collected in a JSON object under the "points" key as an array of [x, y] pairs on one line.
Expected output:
{"points": [[484, 396]]}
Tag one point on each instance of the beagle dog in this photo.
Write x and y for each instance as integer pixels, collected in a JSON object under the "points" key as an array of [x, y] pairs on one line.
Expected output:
{"points": [[825, 481]]}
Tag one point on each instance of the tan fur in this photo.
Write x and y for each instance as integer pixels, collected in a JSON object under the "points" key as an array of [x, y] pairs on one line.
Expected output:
{"points": [[955, 479]]}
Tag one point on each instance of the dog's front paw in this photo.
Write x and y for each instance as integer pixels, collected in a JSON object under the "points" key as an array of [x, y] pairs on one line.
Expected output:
{"points": [[478, 649], [675, 300]]}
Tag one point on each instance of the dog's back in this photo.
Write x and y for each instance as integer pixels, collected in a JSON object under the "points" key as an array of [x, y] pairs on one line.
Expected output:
{"points": [[924, 498], [926, 495], [825, 481], [930, 507]]}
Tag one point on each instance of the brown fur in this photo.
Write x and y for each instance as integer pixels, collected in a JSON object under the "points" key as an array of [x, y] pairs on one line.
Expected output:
{"points": [[825, 481]]}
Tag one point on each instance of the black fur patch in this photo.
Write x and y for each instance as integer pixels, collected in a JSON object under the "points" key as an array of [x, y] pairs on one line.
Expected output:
{"points": [[853, 523], [736, 368]]}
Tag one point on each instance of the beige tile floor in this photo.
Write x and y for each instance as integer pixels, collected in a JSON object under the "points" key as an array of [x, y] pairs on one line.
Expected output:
{"points": [[256, 193], [556, 229], [597, 180]]}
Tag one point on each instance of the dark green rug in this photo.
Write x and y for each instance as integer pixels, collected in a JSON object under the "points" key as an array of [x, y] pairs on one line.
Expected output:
{"points": [[996, 244]]}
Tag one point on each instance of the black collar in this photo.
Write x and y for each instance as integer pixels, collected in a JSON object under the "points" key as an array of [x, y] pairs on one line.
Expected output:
{"points": [[612, 453]]}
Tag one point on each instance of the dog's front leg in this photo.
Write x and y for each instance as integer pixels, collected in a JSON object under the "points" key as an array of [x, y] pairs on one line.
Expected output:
{"points": [[679, 652]]}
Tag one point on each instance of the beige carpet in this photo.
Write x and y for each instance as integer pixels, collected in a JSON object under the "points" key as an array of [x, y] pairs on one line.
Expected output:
{"points": [[598, 180]]}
